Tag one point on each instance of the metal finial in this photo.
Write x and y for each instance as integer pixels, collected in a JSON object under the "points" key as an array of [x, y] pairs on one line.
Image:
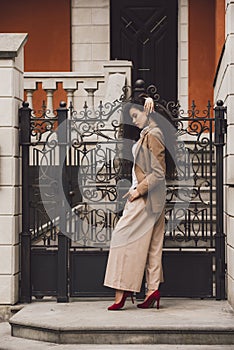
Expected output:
{"points": [[63, 104], [139, 83], [219, 103], [25, 104]]}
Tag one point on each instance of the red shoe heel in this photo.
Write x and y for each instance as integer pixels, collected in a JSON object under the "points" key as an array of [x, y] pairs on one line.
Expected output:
{"points": [[150, 301], [118, 306], [158, 300]]}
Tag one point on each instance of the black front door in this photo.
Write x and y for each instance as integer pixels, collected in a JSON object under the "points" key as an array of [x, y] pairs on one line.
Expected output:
{"points": [[145, 32]]}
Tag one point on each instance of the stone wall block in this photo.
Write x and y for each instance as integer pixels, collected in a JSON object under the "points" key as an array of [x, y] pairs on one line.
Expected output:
{"points": [[230, 140], [9, 145], [6, 82], [183, 85], [229, 179], [184, 11], [9, 228], [230, 202], [230, 260], [230, 290], [220, 89], [81, 16], [9, 289], [87, 65], [5, 289], [19, 61], [230, 45], [184, 50], [100, 52], [9, 171], [90, 3], [229, 18], [9, 201], [100, 16], [82, 35], [9, 262], [17, 86], [9, 112], [100, 34], [230, 107], [82, 52]]}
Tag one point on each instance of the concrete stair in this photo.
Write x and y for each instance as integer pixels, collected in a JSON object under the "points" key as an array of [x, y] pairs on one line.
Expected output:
{"points": [[178, 321]]}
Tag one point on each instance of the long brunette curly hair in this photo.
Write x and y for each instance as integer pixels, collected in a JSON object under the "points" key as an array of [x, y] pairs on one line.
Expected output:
{"points": [[164, 121]]}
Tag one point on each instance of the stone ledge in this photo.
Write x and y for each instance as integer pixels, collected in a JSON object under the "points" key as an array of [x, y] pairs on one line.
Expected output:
{"points": [[11, 43]]}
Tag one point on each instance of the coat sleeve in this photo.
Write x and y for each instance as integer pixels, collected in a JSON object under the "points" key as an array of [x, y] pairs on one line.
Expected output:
{"points": [[155, 155]]}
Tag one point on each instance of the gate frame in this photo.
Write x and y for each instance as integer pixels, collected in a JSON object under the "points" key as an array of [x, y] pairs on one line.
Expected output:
{"points": [[220, 131], [25, 236]]}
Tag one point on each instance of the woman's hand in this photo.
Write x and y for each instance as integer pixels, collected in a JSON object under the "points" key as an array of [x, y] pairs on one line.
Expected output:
{"points": [[148, 105], [132, 195]]}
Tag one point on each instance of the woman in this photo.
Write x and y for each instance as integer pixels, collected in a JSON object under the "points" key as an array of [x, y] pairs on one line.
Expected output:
{"points": [[137, 239]]}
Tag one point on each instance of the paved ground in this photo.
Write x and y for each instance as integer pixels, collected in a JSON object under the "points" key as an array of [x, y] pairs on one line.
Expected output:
{"points": [[177, 313]]}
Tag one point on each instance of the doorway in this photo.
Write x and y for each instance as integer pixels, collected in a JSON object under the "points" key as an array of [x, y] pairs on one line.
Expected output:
{"points": [[145, 32]]}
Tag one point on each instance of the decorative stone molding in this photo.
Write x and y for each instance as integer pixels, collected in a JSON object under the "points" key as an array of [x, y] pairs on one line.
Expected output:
{"points": [[79, 86]]}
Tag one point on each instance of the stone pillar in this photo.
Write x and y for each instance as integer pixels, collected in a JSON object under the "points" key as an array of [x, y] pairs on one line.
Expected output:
{"points": [[224, 90], [183, 44], [11, 95], [90, 34], [228, 81]]}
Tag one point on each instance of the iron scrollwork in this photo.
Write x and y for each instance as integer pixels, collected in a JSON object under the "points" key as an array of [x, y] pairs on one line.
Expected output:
{"points": [[93, 159]]}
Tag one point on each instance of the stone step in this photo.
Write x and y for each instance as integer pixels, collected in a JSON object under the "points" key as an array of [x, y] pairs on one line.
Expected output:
{"points": [[178, 321], [12, 343]]}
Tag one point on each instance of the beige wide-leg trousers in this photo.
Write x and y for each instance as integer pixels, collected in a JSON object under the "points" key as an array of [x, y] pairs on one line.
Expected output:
{"points": [[136, 246]]}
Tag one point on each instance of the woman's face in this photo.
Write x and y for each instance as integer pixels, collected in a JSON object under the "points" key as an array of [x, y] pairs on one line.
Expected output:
{"points": [[139, 118]]}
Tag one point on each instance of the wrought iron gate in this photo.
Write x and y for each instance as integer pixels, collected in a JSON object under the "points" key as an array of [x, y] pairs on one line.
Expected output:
{"points": [[73, 178]]}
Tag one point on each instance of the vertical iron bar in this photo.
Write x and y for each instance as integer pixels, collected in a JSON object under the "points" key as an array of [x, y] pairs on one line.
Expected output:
{"points": [[25, 287], [211, 180], [220, 130], [62, 295]]}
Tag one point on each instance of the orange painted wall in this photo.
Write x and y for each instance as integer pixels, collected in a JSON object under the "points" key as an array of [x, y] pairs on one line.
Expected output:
{"points": [[48, 24], [219, 28], [201, 51], [48, 49]]}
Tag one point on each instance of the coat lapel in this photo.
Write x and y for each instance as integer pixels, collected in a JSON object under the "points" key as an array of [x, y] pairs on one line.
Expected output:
{"points": [[144, 132], [139, 143]]}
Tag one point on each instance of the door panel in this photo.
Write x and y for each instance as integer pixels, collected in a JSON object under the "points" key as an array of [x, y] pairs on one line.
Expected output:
{"points": [[145, 32]]}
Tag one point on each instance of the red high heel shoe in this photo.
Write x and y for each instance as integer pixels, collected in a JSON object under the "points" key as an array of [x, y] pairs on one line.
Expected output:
{"points": [[149, 302], [118, 306]]}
